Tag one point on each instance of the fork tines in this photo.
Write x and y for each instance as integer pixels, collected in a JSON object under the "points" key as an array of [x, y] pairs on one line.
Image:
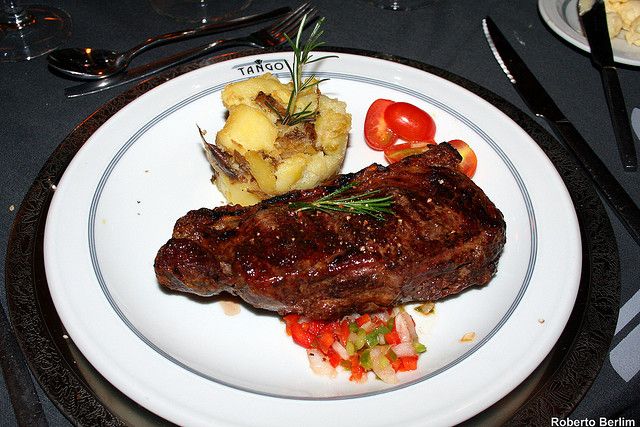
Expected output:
{"points": [[290, 22]]}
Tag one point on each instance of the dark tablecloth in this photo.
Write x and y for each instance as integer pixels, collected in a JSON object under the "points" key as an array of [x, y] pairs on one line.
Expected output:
{"points": [[35, 117]]}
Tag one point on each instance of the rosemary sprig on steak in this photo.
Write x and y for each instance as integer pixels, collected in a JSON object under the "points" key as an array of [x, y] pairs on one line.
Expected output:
{"points": [[359, 204]]}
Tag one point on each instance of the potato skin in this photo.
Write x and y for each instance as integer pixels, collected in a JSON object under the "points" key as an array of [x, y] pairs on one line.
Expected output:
{"points": [[271, 158]]}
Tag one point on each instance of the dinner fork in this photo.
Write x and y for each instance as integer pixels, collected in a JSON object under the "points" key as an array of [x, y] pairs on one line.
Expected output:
{"points": [[270, 36]]}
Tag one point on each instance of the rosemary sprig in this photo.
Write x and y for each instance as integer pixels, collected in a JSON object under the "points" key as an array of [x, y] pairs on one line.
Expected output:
{"points": [[301, 57], [359, 204]]}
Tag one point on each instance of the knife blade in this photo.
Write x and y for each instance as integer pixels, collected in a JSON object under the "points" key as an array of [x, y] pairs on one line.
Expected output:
{"points": [[543, 106], [635, 121], [594, 22], [154, 67]]}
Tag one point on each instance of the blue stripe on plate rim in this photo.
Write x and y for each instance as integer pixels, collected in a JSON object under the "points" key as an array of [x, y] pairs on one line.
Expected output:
{"points": [[333, 75]]}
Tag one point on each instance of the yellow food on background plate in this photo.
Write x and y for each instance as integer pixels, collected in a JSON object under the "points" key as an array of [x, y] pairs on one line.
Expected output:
{"points": [[256, 156], [623, 18]]}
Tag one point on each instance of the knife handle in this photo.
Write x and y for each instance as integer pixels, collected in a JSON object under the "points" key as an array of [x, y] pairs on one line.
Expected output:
{"points": [[619, 118], [606, 184], [204, 30]]}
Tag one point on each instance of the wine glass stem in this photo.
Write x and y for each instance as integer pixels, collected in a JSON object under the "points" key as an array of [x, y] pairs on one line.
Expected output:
{"points": [[14, 15]]}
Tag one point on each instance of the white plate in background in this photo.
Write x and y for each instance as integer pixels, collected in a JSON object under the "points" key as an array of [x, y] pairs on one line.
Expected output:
{"points": [[562, 17]]}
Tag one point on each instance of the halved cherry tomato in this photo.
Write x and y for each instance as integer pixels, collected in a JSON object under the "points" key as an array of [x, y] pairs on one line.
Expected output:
{"points": [[409, 122], [469, 160], [398, 152], [376, 132]]}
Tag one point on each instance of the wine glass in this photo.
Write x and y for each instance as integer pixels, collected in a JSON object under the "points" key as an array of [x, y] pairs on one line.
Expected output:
{"points": [[199, 11], [30, 31]]}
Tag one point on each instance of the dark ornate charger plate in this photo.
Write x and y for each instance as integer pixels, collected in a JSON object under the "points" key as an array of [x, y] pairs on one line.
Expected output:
{"points": [[86, 398]]}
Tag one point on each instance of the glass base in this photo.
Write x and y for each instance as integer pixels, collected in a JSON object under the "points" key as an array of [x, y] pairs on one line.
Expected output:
{"points": [[35, 31], [400, 5], [199, 11]]}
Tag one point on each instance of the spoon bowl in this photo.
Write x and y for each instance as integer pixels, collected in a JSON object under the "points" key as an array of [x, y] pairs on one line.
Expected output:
{"points": [[88, 63]]}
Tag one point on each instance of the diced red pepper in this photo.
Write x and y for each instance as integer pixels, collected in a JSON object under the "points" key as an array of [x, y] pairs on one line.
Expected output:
{"points": [[377, 321], [409, 363], [363, 319], [300, 336], [289, 319], [325, 339], [313, 326], [334, 357], [344, 332], [357, 371], [392, 338]]}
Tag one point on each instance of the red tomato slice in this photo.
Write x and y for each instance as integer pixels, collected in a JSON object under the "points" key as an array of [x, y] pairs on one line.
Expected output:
{"points": [[409, 122], [398, 152], [469, 160], [376, 133]]}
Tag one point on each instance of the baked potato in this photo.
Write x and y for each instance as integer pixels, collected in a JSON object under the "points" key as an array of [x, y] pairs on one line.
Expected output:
{"points": [[255, 156]]}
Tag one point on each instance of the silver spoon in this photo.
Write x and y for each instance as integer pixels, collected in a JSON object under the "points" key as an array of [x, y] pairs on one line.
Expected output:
{"points": [[93, 64]]}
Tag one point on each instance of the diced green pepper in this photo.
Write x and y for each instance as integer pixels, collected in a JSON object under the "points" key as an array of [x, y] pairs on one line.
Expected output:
{"points": [[360, 339], [372, 338], [365, 360], [353, 327], [391, 323], [392, 355], [419, 348], [351, 348]]}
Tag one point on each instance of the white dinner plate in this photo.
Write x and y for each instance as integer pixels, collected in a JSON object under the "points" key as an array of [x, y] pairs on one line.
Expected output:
{"points": [[562, 17], [186, 360]]}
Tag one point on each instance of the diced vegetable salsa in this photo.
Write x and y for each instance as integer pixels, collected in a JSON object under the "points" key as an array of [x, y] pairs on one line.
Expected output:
{"points": [[383, 343]]}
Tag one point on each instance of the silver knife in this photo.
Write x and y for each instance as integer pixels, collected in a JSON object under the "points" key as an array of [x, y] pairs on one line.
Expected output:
{"points": [[151, 68], [594, 22], [539, 101], [635, 121]]}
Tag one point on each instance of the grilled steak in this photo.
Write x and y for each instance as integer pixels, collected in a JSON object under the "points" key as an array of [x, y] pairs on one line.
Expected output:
{"points": [[444, 236]]}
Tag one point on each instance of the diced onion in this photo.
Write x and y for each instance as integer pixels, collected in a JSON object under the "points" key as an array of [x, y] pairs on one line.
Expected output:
{"points": [[368, 327], [383, 315], [405, 327], [426, 308], [320, 364], [381, 365], [468, 337], [339, 348], [404, 349]]}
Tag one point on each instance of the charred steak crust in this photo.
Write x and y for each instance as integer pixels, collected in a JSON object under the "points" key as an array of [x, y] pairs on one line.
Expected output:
{"points": [[445, 235]]}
